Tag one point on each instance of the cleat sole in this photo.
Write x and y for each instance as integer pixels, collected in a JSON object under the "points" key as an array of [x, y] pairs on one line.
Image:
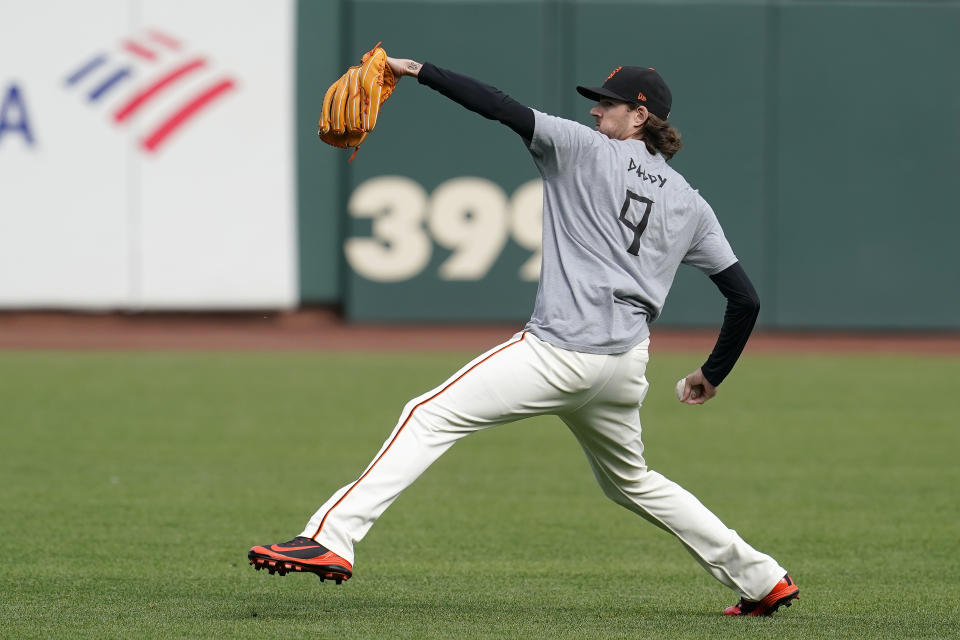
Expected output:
{"points": [[282, 567], [786, 601]]}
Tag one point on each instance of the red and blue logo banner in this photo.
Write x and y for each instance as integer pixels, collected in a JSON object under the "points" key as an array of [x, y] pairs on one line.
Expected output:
{"points": [[147, 155]]}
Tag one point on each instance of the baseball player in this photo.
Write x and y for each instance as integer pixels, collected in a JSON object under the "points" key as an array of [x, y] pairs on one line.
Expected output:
{"points": [[617, 222]]}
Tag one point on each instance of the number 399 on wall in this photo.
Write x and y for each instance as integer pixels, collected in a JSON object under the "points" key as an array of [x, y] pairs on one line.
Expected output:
{"points": [[470, 216]]}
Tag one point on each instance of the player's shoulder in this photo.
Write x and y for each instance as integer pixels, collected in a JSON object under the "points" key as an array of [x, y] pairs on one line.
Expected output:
{"points": [[544, 119], [551, 127]]}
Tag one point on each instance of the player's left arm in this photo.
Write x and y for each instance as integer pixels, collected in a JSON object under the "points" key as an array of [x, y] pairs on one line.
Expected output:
{"points": [[743, 307], [476, 96]]}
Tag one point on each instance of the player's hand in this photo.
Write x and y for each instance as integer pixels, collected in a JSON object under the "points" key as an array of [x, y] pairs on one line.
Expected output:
{"points": [[697, 389], [404, 67]]}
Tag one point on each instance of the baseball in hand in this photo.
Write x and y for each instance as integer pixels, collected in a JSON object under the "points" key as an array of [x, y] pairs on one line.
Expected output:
{"points": [[679, 390]]}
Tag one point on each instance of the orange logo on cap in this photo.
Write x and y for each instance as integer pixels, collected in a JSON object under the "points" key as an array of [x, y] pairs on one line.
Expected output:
{"points": [[641, 97], [614, 72]]}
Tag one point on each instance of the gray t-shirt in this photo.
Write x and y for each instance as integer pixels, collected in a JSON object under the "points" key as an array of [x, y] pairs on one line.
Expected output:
{"points": [[617, 222]]}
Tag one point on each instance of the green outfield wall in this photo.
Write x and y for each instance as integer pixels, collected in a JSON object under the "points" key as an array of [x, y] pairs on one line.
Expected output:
{"points": [[824, 134], [320, 176]]}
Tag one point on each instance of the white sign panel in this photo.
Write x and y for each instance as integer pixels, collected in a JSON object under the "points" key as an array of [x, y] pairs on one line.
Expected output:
{"points": [[146, 154]]}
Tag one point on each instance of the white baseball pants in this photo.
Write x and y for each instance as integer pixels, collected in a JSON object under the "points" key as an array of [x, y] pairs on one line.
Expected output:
{"points": [[598, 397]]}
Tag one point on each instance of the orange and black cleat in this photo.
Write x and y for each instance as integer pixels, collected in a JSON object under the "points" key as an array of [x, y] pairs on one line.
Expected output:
{"points": [[783, 593], [301, 554]]}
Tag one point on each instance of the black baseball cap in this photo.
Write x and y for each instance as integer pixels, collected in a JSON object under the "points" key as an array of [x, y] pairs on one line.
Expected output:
{"points": [[639, 85]]}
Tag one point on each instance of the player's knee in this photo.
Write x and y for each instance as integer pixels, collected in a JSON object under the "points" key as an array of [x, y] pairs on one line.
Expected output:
{"points": [[623, 487], [618, 497]]}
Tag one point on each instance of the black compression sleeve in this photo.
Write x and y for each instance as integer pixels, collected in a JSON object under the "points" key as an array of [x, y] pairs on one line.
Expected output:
{"points": [[480, 98], [743, 306]]}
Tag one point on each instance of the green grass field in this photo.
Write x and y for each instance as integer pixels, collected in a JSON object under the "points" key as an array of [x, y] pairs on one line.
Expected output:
{"points": [[132, 486]]}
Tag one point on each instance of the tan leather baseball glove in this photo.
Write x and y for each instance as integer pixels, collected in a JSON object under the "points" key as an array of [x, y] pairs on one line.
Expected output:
{"points": [[352, 103]]}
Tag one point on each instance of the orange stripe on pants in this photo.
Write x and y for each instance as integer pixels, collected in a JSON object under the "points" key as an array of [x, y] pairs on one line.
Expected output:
{"points": [[404, 424]]}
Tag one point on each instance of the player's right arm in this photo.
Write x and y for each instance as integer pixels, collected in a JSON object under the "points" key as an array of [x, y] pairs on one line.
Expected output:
{"points": [[711, 253], [476, 96], [743, 307]]}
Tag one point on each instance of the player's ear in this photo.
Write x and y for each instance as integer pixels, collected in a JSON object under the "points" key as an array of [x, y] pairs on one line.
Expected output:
{"points": [[640, 115]]}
